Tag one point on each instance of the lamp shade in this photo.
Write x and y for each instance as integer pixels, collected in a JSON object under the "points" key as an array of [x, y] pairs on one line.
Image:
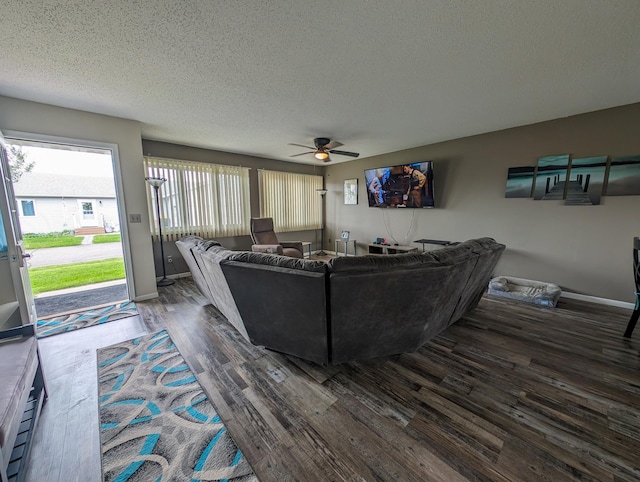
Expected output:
{"points": [[321, 155], [155, 181]]}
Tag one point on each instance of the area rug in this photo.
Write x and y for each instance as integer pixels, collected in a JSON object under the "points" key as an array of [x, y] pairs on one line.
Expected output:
{"points": [[85, 318], [156, 423]]}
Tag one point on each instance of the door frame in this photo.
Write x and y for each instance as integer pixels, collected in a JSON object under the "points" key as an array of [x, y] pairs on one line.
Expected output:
{"points": [[16, 254], [117, 177]]}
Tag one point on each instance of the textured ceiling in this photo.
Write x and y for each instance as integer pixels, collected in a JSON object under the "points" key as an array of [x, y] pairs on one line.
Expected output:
{"points": [[376, 75]]}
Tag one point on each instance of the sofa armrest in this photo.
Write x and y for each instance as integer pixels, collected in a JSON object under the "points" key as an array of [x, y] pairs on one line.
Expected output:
{"points": [[267, 248]]}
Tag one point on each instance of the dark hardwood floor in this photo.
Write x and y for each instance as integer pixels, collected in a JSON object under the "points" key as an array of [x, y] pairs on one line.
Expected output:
{"points": [[511, 392]]}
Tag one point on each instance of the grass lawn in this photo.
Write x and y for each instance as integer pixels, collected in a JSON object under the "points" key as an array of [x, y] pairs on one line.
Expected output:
{"points": [[51, 241], [106, 238], [50, 278]]}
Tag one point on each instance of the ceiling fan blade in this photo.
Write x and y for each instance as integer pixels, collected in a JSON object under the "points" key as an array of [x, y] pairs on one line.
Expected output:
{"points": [[345, 153], [302, 154], [333, 145], [300, 145]]}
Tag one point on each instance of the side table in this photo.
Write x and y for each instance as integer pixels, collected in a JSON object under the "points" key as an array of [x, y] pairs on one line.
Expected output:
{"points": [[346, 243], [431, 241]]}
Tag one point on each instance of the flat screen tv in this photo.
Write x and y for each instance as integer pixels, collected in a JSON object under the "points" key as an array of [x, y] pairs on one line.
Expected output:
{"points": [[404, 186]]}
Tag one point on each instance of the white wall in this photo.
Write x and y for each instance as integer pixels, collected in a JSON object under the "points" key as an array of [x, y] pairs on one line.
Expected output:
{"points": [[60, 214], [30, 117]]}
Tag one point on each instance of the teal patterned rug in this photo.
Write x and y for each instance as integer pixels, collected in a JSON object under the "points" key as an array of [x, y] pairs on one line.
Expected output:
{"points": [[83, 319], [156, 423]]}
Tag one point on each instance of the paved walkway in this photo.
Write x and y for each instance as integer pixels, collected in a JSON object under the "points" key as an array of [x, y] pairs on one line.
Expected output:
{"points": [[73, 254], [83, 297]]}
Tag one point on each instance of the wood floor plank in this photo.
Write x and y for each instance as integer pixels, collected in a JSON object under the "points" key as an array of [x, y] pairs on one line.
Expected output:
{"points": [[512, 392]]}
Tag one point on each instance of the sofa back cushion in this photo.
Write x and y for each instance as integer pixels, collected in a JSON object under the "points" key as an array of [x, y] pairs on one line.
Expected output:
{"points": [[385, 305], [221, 296], [375, 263], [283, 308], [268, 259], [189, 247], [487, 254]]}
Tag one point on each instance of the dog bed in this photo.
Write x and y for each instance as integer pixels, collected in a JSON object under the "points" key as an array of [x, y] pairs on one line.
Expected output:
{"points": [[537, 292]]}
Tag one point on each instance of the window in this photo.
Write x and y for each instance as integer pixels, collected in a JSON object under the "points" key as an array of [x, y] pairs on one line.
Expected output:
{"points": [[292, 200], [28, 207], [208, 200]]}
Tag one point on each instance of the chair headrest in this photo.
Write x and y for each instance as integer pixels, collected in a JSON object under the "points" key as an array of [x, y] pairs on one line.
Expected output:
{"points": [[260, 225]]}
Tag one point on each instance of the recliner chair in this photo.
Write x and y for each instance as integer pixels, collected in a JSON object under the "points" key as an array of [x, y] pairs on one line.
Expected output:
{"points": [[265, 240]]}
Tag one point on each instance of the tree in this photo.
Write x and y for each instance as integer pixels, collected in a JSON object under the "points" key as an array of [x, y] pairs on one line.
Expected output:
{"points": [[18, 163]]}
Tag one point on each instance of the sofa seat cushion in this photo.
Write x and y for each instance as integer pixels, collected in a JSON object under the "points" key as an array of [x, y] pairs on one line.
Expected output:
{"points": [[18, 365]]}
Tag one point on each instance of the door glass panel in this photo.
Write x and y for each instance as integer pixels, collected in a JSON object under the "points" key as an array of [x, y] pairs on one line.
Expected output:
{"points": [[87, 210], [3, 238], [28, 208]]}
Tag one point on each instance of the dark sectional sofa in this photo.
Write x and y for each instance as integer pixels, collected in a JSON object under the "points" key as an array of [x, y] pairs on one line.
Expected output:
{"points": [[352, 308]]}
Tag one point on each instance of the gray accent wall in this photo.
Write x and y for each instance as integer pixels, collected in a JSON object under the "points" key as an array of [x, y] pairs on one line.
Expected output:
{"points": [[585, 249]]}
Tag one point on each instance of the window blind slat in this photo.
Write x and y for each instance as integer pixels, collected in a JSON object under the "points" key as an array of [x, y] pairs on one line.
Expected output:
{"points": [[208, 200], [292, 200]]}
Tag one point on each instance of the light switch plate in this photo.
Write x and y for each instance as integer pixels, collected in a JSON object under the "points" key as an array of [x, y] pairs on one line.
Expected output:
{"points": [[135, 218]]}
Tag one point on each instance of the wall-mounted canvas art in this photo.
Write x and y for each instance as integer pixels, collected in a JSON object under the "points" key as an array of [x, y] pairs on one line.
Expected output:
{"points": [[519, 182], [624, 176], [351, 191], [551, 177], [586, 180]]}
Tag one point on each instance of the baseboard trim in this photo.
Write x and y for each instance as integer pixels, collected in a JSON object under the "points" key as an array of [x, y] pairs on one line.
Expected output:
{"points": [[595, 299], [146, 297]]}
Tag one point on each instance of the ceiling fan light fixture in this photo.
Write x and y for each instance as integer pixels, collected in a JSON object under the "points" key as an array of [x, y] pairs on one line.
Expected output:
{"points": [[321, 155]]}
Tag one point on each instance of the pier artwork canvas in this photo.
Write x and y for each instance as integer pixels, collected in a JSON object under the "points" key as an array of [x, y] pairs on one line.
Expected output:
{"points": [[551, 177], [624, 176], [586, 180], [519, 182]]}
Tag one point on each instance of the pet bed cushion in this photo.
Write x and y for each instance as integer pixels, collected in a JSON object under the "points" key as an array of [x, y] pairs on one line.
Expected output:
{"points": [[537, 292]]}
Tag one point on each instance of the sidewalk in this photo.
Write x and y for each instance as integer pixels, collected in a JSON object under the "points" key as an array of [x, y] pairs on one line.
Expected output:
{"points": [[82, 297], [73, 254]]}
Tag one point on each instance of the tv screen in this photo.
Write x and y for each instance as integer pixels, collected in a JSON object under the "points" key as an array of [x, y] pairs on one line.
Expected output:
{"points": [[404, 186]]}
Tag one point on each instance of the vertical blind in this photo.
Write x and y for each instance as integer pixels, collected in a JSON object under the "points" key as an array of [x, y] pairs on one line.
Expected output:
{"points": [[292, 200], [208, 200]]}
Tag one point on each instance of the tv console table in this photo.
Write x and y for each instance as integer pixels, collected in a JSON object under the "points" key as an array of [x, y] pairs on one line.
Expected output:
{"points": [[431, 241], [390, 249]]}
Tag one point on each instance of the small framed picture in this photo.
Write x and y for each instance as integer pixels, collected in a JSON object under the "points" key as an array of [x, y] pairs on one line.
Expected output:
{"points": [[345, 235], [351, 191]]}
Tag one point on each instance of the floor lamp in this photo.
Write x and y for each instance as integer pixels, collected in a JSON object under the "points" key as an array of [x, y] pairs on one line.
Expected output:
{"points": [[156, 182], [322, 193]]}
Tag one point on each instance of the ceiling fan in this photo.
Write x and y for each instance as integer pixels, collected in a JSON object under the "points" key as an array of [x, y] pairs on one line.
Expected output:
{"points": [[324, 147]]}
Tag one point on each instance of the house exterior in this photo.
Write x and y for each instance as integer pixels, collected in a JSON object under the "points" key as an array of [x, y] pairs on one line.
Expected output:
{"points": [[52, 203]]}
